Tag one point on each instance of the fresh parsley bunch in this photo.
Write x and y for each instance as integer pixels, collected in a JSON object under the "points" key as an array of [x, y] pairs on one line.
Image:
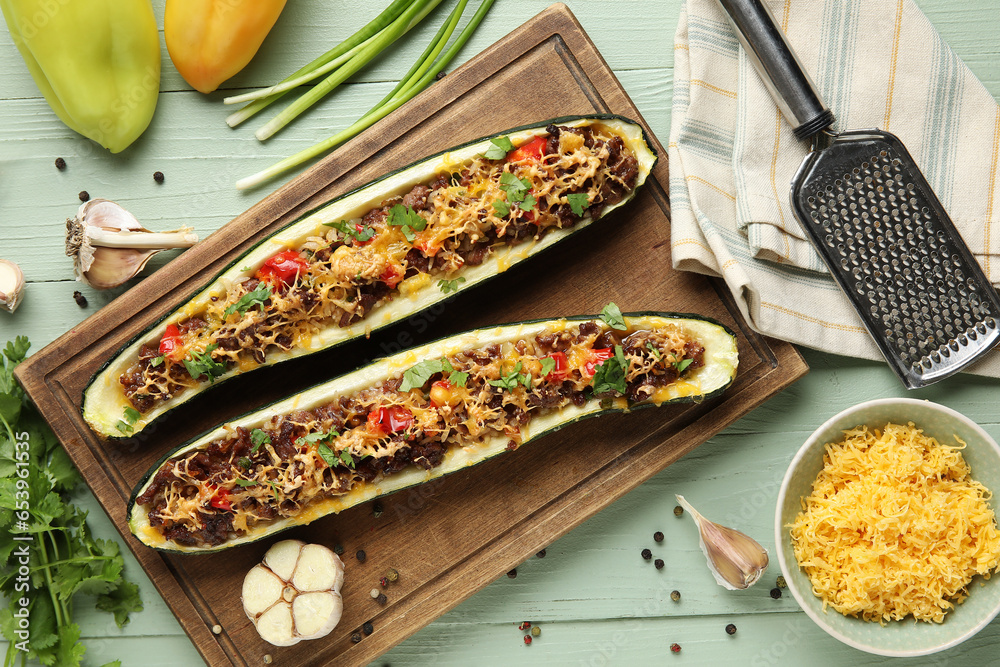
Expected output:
{"points": [[63, 558]]}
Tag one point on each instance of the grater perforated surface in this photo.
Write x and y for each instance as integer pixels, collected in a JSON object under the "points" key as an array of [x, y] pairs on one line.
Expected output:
{"points": [[889, 243]]}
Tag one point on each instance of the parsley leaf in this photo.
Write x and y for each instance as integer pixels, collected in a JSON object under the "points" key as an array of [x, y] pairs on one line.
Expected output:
{"points": [[527, 204], [126, 424], [499, 148], [458, 378], [258, 438], [202, 363], [244, 483], [548, 365], [158, 360], [418, 374], [612, 315], [407, 220], [512, 379], [610, 375], [318, 436], [122, 427], [516, 188], [682, 365], [502, 208], [346, 458], [578, 202], [327, 454], [365, 233], [256, 297], [450, 285], [655, 350]]}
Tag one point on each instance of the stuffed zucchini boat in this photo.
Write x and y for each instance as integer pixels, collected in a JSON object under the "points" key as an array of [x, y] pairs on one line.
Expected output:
{"points": [[418, 415], [375, 256]]}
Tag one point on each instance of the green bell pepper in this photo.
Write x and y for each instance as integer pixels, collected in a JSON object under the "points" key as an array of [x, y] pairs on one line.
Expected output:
{"points": [[97, 62]]}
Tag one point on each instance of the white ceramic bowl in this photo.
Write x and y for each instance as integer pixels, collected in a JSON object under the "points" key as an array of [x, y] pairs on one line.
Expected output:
{"points": [[907, 637]]}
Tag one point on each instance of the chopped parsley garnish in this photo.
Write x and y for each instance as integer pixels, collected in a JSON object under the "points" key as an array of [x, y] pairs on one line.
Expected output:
{"points": [[346, 458], [407, 220], [158, 360], [131, 417], [365, 233], [255, 298], [682, 365], [458, 378], [244, 483], [202, 363], [610, 375], [578, 202], [655, 350], [512, 379], [502, 208], [318, 436], [417, 375], [450, 285], [516, 188], [327, 455], [527, 204], [548, 365], [258, 438], [612, 315], [499, 148]]}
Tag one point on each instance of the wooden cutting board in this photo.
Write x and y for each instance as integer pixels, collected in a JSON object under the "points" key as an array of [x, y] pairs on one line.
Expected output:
{"points": [[448, 538]]}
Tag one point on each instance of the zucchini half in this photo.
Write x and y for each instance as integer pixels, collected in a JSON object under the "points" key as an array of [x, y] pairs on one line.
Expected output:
{"points": [[104, 400], [717, 373]]}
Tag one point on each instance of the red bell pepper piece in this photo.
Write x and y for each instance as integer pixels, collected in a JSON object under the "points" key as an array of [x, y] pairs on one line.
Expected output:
{"points": [[559, 371], [533, 150], [220, 499], [597, 357], [391, 276], [391, 419], [282, 269], [171, 341]]}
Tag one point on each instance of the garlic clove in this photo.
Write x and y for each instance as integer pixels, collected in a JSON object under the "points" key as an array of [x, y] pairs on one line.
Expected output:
{"points": [[11, 285], [316, 614], [109, 246], [260, 589], [276, 627], [736, 560], [281, 557]]}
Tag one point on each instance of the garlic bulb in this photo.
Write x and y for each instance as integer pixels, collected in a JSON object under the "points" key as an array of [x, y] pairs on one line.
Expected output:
{"points": [[294, 594], [736, 560], [11, 284], [109, 246]]}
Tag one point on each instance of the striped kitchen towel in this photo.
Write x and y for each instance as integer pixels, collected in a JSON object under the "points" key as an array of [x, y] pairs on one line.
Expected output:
{"points": [[876, 63]]}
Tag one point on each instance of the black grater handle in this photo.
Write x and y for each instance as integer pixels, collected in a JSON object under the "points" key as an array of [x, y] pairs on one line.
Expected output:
{"points": [[778, 66]]}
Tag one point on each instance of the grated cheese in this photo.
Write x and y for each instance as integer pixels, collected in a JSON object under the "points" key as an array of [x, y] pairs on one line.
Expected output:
{"points": [[895, 526]]}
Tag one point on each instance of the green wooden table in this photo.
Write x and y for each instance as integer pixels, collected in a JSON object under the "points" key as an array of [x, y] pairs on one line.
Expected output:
{"points": [[596, 600]]}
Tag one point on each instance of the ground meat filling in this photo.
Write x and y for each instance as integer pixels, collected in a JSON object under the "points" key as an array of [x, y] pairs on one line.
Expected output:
{"points": [[294, 460], [345, 274]]}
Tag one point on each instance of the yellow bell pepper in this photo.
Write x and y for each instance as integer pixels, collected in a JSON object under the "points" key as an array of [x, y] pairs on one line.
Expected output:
{"points": [[211, 40], [97, 62]]}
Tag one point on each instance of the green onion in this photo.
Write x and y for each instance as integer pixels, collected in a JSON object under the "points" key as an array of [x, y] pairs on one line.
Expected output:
{"points": [[415, 80]]}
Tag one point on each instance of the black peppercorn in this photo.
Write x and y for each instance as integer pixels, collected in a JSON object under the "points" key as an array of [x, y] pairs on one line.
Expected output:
{"points": [[776, 593], [158, 176], [361, 555], [367, 628], [646, 554], [730, 629], [356, 637], [512, 574], [84, 195], [80, 299], [541, 554], [60, 163], [657, 536], [338, 549], [381, 599], [658, 563], [440, 75]]}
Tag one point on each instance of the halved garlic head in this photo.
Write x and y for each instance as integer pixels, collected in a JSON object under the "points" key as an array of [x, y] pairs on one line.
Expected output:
{"points": [[294, 594], [11, 284]]}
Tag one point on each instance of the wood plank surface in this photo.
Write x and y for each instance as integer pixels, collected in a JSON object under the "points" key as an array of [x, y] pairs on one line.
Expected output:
{"points": [[597, 601]]}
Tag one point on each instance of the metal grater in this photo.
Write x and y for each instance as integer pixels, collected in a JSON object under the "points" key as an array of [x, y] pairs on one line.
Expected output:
{"points": [[877, 224], [892, 247]]}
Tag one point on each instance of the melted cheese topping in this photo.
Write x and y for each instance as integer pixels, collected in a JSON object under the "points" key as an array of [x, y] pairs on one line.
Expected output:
{"points": [[895, 526]]}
